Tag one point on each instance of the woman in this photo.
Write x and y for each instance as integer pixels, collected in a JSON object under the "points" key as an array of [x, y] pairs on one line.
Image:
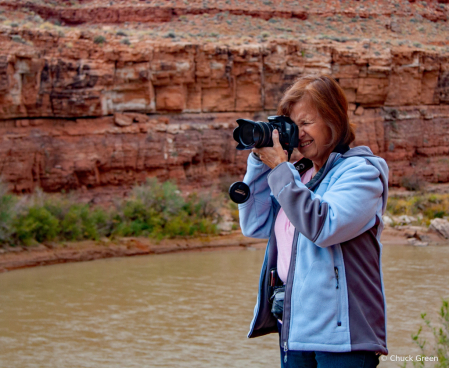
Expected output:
{"points": [[323, 224]]}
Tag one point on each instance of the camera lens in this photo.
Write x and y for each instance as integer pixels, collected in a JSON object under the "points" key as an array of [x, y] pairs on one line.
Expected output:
{"points": [[262, 135], [250, 134], [258, 134], [246, 134]]}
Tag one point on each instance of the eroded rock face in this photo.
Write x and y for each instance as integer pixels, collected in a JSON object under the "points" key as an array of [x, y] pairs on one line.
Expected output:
{"points": [[91, 116]]}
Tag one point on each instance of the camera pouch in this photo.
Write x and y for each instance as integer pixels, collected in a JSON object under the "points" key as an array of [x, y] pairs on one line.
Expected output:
{"points": [[277, 300]]}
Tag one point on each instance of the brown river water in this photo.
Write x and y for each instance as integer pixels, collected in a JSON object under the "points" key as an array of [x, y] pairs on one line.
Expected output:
{"points": [[180, 310]]}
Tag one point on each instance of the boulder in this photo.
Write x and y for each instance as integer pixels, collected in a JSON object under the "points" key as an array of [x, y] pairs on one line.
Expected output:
{"points": [[122, 120], [441, 226]]}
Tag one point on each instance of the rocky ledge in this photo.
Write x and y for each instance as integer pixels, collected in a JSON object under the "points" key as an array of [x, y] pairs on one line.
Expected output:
{"points": [[81, 110]]}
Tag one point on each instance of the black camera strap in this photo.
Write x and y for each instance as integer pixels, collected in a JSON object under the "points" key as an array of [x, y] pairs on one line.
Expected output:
{"points": [[303, 165]]}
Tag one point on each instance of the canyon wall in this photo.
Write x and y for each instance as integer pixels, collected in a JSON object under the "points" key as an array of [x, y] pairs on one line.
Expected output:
{"points": [[79, 114]]}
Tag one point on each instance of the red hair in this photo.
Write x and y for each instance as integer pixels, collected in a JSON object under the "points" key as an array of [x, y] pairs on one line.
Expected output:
{"points": [[329, 100]]}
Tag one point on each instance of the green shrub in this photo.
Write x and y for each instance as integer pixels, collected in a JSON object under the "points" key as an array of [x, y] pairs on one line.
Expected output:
{"points": [[99, 40], [413, 183], [134, 218], [163, 198], [170, 34], [7, 214], [158, 210], [153, 209], [103, 223], [234, 211], [81, 222], [205, 205], [429, 205], [226, 181], [440, 346], [37, 224], [17, 38]]}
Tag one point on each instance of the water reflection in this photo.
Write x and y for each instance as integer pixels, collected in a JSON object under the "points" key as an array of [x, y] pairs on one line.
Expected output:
{"points": [[184, 310]]}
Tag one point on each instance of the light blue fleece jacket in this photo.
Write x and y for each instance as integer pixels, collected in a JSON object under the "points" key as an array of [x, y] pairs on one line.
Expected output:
{"points": [[334, 299]]}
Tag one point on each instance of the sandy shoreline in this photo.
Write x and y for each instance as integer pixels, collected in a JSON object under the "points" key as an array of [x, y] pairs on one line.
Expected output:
{"points": [[42, 255]]}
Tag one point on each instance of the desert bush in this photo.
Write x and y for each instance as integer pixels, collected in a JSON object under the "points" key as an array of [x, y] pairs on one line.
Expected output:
{"points": [[153, 209], [234, 211], [17, 38], [36, 224], [99, 40], [82, 222], [413, 183], [7, 202], [430, 206], [158, 210], [226, 181], [440, 346]]}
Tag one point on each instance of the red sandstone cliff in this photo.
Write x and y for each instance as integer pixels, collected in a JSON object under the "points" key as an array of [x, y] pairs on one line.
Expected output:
{"points": [[76, 112]]}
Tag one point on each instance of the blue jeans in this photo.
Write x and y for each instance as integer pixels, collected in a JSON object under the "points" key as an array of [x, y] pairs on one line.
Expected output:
{"points": [[321, 359]]}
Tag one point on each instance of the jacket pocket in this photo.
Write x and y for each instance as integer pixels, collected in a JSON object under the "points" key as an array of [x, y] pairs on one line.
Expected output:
{"points": [[337, 287], [313, 307]]}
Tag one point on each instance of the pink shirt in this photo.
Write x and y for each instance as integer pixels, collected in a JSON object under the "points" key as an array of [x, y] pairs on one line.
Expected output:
{"points": [[284, 231]]}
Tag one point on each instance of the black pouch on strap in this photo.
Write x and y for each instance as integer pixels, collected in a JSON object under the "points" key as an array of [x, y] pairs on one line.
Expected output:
{"points": [[277, 300]]}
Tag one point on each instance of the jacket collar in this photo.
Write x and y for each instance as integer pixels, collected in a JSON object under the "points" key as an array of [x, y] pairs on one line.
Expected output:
{"points": [[305, 164]]}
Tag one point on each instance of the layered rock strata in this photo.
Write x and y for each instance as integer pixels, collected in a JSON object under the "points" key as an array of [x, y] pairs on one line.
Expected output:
{"points": [[121, 11], [78, 114]]}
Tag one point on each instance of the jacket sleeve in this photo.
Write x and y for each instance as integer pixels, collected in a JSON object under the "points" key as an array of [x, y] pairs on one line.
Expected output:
{"points": [[256, 214], [345, 211]]}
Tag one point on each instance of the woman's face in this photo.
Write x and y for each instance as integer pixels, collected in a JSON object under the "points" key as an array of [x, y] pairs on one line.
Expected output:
{"points": [[314, 135]]}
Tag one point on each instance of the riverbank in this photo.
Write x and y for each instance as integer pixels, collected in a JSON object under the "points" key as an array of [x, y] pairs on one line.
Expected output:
{"points": [[13, 258]]}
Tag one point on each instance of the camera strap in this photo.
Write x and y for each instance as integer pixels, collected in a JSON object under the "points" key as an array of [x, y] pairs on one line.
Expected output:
{"points": [[303, 165]]}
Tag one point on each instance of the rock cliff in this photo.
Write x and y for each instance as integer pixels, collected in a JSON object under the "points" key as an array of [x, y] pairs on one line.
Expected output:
{"points": [[80, 112]]}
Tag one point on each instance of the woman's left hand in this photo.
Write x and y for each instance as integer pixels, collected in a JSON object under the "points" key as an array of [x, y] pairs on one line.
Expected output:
{"points": [[272, 156]]}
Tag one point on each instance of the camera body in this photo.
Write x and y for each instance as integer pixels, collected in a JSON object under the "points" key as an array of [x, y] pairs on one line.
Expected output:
{"points": [[257, 134]]}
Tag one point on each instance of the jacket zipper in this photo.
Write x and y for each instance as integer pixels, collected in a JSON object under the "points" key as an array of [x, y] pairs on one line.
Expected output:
{"points": [[287, 298], [336, 275], [291, 271], [289, 284], [285, 351], [338, 301]]}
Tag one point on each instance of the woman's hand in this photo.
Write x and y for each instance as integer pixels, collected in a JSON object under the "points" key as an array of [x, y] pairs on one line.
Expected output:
{"points": [[272, 156]]}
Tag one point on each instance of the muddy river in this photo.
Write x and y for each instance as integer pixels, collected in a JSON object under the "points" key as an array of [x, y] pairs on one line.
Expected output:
{"points": [[180, 310]]}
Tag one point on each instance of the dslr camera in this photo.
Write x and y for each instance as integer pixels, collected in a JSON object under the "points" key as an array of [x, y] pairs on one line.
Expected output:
{"points": [[257, 134]]}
